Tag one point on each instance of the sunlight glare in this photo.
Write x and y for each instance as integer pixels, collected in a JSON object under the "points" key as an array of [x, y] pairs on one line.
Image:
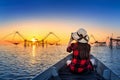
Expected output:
{"points": [[33, 50], [34, 39]]}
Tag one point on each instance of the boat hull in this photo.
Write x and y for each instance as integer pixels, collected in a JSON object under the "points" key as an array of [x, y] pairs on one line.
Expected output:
{"points": [[58, 72]]}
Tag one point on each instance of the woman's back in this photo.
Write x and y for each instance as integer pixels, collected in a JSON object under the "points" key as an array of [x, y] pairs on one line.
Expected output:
{"points": [[80, 60], [84, 50]]}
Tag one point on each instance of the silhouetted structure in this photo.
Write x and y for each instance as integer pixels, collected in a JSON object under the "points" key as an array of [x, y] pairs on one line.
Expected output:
{"points": [[114, 40], [17, 38], [44, 40], [98, 42]]}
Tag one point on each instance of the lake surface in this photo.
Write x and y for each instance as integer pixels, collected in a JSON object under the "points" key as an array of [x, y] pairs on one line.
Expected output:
{"points": [[19, 63], [111, 58]]}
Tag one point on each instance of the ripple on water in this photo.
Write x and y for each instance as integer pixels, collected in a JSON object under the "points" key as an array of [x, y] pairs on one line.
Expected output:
{"points": [[18, 63], [109, 57]]}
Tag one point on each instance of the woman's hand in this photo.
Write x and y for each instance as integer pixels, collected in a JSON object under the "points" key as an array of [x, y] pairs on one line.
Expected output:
{"points": [[71, 39], [68, 62], [69, 43]]}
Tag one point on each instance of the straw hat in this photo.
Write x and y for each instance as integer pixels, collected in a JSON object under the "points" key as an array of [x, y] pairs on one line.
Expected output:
{"points": [[81, 36]]}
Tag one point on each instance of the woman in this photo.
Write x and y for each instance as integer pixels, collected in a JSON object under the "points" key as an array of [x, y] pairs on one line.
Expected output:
{"points": [[80, 62]]}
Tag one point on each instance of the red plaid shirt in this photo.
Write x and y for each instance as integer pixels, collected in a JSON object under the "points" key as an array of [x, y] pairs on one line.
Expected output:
{"points": [[78, 65]]}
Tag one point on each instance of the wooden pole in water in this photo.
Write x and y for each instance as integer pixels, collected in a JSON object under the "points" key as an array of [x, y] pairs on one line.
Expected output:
{"points": [[42, 43], [25, 43], [111, 43]]}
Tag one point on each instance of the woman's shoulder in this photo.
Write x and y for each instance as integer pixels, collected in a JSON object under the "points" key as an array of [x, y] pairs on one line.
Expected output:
{"points": [[74, 44], [83, 44], [88, 44]]}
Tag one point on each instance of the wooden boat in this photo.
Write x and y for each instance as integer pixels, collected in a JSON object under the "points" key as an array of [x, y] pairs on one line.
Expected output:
{"points": [[58, 72]]}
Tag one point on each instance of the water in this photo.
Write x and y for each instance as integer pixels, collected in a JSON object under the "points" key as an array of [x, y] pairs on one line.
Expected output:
{"points": [[111, 58], [19, 63]]}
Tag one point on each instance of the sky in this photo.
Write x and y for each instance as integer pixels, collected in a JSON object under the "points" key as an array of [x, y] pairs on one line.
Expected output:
{"points": [[39, 17]]}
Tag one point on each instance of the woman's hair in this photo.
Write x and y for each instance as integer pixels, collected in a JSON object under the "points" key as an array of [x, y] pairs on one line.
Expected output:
{"points": [[84, 50]]}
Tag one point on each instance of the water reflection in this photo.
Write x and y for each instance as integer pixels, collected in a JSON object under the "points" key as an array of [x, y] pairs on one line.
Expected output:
{"points": [[33, 50]]}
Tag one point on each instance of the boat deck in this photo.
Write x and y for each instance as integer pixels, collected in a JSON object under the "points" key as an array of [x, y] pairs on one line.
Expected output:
{"points": [[60, 71], [65, 74]]}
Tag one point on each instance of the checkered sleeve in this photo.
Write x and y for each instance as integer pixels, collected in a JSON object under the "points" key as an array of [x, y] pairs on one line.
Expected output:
{"points": [[70, 48]]}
